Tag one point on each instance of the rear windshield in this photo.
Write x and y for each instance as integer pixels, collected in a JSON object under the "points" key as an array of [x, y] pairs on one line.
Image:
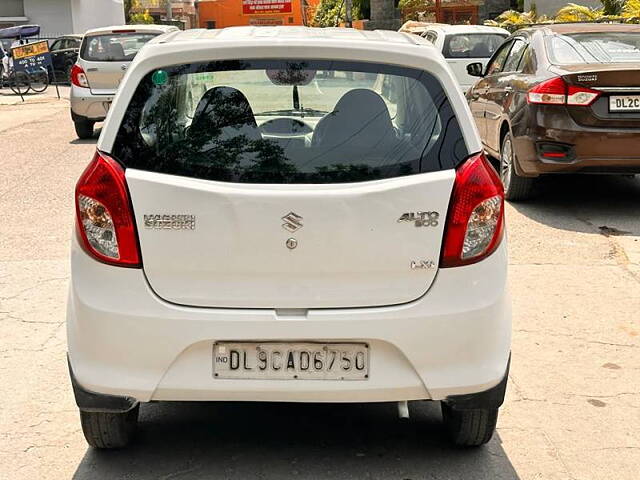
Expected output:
{"points": [[289, 121], [471, 45], [113, 47], [598, 47]]}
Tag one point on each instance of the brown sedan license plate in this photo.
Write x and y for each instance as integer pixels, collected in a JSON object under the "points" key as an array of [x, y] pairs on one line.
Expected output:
{"points": [[291, 361], [624, 103]]}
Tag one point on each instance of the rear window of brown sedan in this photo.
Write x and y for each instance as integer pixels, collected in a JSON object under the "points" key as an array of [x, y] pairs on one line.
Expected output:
{"points": [[594, 47]]}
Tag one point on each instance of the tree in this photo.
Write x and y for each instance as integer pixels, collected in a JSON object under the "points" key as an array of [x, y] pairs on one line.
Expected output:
{"points": [[331, 12], [513, 20], [631, 11], [136, 15], [578, 13]]}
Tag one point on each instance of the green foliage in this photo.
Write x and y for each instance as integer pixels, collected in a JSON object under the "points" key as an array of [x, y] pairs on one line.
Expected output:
{"points": [[140, 18], [135, 14], [403, 4], [513, 20], [331, 12], [612, 7], [578, 13], [627, 11], [631, 11]]}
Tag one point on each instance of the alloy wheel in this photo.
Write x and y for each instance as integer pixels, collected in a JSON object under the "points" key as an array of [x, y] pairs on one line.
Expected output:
{"points": [[506, 163]]}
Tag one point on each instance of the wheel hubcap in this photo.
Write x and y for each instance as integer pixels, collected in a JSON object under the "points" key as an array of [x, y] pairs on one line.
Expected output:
{"points": [[506, 163]]}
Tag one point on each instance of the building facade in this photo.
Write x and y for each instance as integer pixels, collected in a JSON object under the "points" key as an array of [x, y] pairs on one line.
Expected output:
{"points": [[59, 17]]}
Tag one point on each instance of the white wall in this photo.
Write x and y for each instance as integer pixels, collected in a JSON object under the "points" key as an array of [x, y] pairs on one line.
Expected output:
{"points": [[53, 16], [550, 7], [89, 14]]}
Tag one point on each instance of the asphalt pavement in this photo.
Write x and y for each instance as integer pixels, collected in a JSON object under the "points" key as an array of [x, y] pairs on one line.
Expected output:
{"points": [[572, 408]]}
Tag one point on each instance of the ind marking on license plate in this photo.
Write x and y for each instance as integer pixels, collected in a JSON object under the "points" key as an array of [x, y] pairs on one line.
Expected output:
{"points": [[291, 361]]}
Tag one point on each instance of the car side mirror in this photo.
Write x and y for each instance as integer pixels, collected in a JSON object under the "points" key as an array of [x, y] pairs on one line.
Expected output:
{"points": [[475, 69]]}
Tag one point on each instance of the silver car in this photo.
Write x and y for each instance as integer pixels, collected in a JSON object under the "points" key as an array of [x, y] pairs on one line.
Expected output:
{"points": [[105, 55]]}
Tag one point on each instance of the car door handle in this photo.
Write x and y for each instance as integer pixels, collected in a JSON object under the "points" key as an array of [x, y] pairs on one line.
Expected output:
{"points": [[94, 69]]}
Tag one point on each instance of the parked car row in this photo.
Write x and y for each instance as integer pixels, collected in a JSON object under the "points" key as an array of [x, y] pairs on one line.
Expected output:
{"points": [[551, 99], [268, 207]]}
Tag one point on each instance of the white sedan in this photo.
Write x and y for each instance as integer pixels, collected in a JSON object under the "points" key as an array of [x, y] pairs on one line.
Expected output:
{"points": [[464, 44]]}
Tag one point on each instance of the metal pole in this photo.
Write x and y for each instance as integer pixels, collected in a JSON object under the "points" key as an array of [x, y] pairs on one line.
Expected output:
{"points": [[349, 9], [169, 12]]}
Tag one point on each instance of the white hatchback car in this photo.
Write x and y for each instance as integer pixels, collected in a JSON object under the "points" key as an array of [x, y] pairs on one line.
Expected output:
{"points": [[288, 214], [462, 45], [105, 54]]}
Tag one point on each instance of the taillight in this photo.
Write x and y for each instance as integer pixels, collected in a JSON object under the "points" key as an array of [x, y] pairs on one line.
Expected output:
{"points": [[78, 77], [555, 91], [581, 96], [475, 221], [104, 222]]}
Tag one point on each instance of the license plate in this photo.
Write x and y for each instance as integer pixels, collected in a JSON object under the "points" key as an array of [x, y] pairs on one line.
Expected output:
{"points": [[291, 361], [624, 103]]}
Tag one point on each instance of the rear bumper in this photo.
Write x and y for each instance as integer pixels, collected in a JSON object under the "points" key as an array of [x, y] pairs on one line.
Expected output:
{"points": [[125, 341], [590, 151], [88, 106]]}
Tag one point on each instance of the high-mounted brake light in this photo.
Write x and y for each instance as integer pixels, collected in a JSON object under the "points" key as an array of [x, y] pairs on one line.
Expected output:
{"points": [[475, 221], [123, 31], [78, 77], [104, 217], [555, 91]]}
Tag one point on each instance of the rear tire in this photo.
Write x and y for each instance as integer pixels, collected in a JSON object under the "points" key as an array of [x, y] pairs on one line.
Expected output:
{"points": [[39, 80], [19, 82], [515, 187], [469, 428], [84, 129], [109, 430]]}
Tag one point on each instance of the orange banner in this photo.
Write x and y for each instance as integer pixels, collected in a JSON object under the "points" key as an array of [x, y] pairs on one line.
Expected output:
{"points": [[30, 50]]}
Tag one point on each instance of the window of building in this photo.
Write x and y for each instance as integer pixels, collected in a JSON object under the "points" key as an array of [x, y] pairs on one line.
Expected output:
{"points": [[12, 8], [211, 24]]}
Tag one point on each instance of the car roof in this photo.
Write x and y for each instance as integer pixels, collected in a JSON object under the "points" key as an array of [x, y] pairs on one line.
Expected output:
{"points": [[585, 27], [279, 34], [466, 28], [138, 28]]}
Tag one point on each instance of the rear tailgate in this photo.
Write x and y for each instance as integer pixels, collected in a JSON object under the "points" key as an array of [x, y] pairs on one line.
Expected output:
{"points": [[619, 85], [350, 249], [106, 55]]}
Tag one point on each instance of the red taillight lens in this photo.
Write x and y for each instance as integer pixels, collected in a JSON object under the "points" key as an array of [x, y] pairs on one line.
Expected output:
{"points": [[556, 92], [78, 77], [105, 221], [475, 221], [550, 92]]}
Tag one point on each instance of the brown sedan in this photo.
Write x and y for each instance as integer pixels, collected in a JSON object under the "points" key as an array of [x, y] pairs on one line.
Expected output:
{"points": [[560, 99]]}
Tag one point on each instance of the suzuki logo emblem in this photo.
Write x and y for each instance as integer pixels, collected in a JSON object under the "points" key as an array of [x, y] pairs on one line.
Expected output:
{"points": [[292, 222]]}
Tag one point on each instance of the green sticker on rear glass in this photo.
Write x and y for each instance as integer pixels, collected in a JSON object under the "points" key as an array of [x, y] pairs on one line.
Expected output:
{"points": [[160, 77]]}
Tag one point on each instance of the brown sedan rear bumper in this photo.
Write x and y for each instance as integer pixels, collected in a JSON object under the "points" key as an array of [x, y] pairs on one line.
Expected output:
{"points": [[585, 151]]}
